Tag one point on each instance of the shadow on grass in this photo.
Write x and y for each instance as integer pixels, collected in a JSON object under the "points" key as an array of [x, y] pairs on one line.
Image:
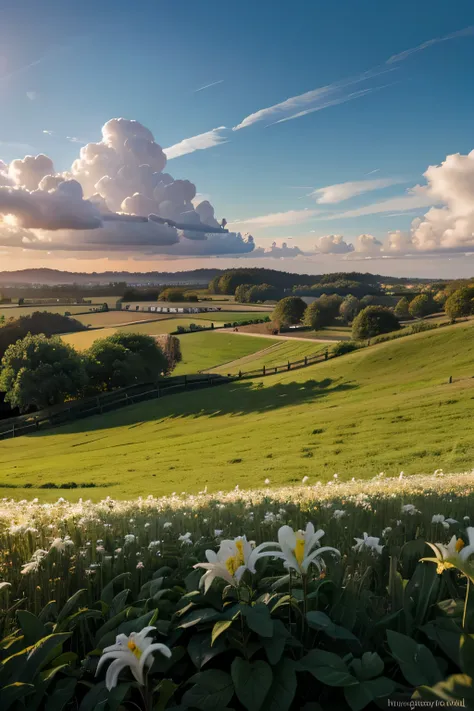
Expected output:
{"points": [[235, 399]]}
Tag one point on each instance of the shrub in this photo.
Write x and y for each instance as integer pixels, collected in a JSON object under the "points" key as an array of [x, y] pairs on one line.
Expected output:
{"points": [[349, 308], [402, 309], [49, 324], [372, 321], [313, 317], [38, 372], [421, 306], [460, 303], [344, 347]]}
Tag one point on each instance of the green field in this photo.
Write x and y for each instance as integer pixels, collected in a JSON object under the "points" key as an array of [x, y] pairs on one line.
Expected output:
{"points": [[231, 316], [17, 311], [277, 354], [85, 339], [384, 408], [116, 318], [203, 351]]}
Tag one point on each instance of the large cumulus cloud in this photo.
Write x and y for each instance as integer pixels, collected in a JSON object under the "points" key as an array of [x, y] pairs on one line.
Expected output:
{"points": [[116, 196]]}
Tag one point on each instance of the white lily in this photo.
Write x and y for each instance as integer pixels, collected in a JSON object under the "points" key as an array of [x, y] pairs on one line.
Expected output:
{"points": [[135, 652], [454, 554], [370, 542], [231, 561], [297, 548]]}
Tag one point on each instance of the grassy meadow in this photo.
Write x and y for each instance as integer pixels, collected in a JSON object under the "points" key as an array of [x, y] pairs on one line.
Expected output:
{"points": [[384, 408], [272, 355], [103, 319], [203, 351]]}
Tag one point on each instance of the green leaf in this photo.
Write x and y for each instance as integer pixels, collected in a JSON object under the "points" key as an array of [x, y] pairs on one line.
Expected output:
{"points": [[219, 627], [68, 623], [320, 621], [458, 687], [369, 666], [466, 653], [320, 658], [283, 689], [4, 585], [202, 650], [14, 692], [166, 689], [70, 605], [119, 602], [252, 682], [95, 698], [451, 608], [416, 661], [31, 627], [107, 594], [43, 652], [258, 619], [333, 677], [199, 617], [275, 646], [138, 623], [358, 696], [212, 690], [62, 694]]}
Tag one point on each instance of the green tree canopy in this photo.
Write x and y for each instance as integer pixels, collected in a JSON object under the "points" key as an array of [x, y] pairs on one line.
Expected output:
{"points": [[313, 316], [349, 308], [372, 321], [460, 303], [38, 372], [402, 310], [421, 305], [289, 311], [38, 322]]}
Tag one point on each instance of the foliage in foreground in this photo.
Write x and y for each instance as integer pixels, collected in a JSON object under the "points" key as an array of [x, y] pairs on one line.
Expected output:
{"points": [[299, 628]]}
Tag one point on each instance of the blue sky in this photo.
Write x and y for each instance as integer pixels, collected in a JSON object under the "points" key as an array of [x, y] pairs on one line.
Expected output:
{"points": [[68, 67]]}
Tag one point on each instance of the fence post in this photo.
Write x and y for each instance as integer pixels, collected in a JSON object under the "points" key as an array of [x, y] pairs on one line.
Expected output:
{"points": [[326, 355], [99, 404], [306, 360], [185, 382], [450, 378], [289, 365], [263, 370], [13, 430], [240, 373]]}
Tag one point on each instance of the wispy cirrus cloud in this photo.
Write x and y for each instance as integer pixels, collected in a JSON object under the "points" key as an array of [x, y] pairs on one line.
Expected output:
{"points": [[201, 142], [415, 198], [208, 86], [343, 191], [401, 56], [277, 219]]}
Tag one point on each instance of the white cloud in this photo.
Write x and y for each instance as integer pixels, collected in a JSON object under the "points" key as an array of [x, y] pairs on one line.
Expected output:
{"points": [[310, 101], [31, 95], [343, 191], [415, 198], [208, 86], [333, 244], [278, 219], [209, 139], [48, 133], [368, 244], [401, 56], [276, 252]]}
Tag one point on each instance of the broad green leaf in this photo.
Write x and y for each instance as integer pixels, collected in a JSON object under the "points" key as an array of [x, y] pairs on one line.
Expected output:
{"points": [[252, 682], [202, 650], [219, 627], [70, 604], [15, 692], [95, 698], [118, 603], [416, 661], [200, 616], [4, 585], [369, 666], [31, 626], [212, 690], [258, 619], [358, 696], [61, 695], [333, 677], [43, 652], [283, 690], [138, 623], [274, 646], [320, 621], [107, 594], [467, 654], [446, 633], [165, 689], [320, 658]]}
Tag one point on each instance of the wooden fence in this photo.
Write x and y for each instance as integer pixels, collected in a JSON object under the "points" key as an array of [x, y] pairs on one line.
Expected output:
{"points": [[265, 370], [106, 402]]}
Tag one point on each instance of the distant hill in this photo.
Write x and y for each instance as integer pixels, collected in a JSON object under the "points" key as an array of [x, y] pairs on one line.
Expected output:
{"points": [[46, 276]]}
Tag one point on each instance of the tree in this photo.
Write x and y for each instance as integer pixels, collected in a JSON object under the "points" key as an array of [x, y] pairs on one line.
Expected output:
{"points": [[111, 365], [289, 310], [172, 294], [402, 309], [313, 317], [349, 308], [140, 344], [171, 348], [242, 293], [440, 298], [213, 287], [421, 306], [262, 292], [38, 372], [49, 324], [372, 321], [460, 303]]}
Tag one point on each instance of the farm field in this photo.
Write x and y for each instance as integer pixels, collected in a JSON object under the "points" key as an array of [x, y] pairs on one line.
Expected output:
{"points": [[116, 318], [273, 355], [17, 311], [228, 306], [202, 351], [231, 316], [85, 339], [355, 415]]}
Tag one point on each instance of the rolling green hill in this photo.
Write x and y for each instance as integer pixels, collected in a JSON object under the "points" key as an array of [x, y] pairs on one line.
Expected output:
{"points": [[202, 351], [277, 354], [384, 408]]}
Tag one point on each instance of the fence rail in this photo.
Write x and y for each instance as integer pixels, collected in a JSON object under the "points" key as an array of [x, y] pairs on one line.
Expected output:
{"points": [[106, 402], [266, 370]]}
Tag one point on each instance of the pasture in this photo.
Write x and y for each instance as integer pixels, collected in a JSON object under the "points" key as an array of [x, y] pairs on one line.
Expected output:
{"points": [[272, 355], [103, 319], [203, 351], [384, 408]]}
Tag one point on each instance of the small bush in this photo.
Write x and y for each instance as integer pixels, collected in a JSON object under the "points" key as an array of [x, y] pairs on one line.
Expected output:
{"points": [[344, 347]]}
